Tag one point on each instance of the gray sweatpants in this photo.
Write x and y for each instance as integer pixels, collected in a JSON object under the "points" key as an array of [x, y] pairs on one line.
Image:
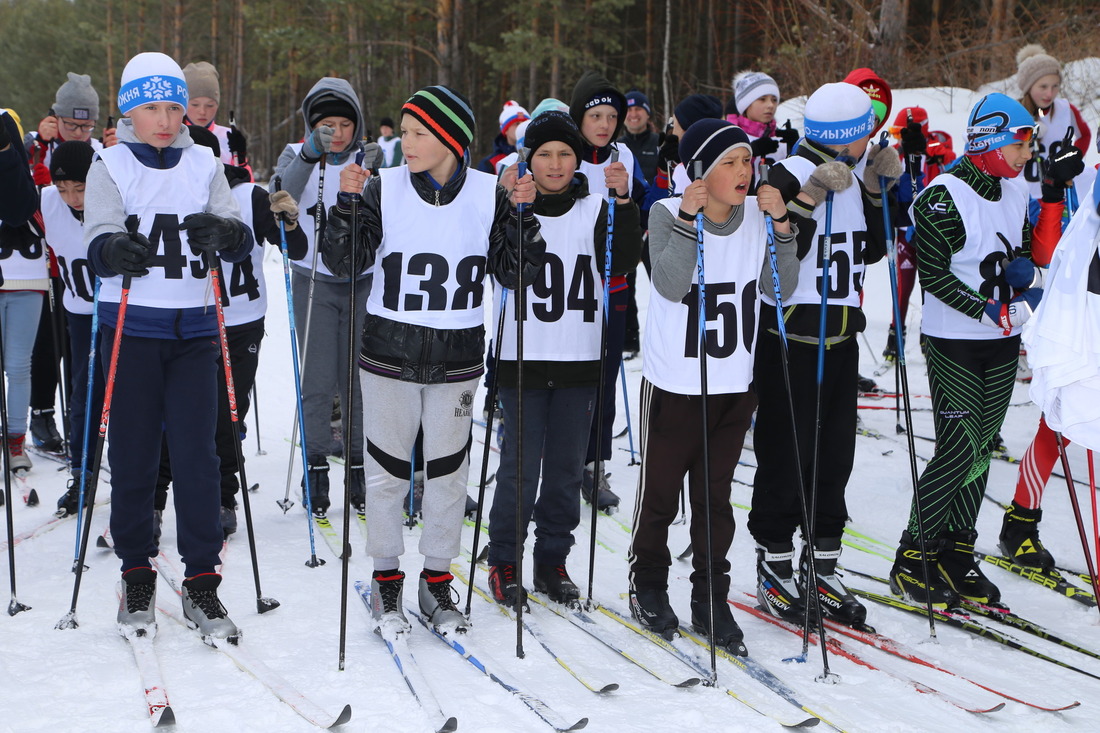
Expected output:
{"points": [[393, 415], [325, 373]]}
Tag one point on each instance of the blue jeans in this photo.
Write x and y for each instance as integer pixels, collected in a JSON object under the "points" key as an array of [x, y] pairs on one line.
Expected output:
{"points": [[19, 314]]}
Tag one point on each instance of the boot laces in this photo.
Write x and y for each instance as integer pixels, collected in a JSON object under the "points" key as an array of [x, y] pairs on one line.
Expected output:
{"points": [[207, 602], [391, 595], [444, 594], [138, 597]]}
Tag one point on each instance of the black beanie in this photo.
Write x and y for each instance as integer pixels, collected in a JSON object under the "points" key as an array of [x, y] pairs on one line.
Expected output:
{"points": [[708, 141], [201, 136], [386, 122], [553, 126], [330, 106], [698, 107], [71, 160]]}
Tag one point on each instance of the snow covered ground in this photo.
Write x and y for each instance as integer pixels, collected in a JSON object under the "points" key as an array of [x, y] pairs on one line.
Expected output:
{"points": [[86, 679]]}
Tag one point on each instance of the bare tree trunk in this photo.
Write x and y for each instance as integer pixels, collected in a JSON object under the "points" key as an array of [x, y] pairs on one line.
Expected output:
{"points": [[710, 28], [443, 21], [647, 64], [555, 60], [177, 31], [532, 68], [238, 65], [110, 56], [214, 32], [666, 75], [457, 32], [892, 29]]}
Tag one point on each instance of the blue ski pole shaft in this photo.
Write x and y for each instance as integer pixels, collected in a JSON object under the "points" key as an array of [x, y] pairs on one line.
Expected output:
{"points": [[626, 409], [87, 418], [521, 315]]}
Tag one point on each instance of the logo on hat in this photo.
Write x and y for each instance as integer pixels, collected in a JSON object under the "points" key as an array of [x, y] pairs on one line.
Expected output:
{"points": [[81, 113], [157, 88]]}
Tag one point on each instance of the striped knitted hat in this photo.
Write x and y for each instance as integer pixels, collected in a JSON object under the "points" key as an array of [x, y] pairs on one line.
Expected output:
{"points": [[447, 114], [708, 141]]}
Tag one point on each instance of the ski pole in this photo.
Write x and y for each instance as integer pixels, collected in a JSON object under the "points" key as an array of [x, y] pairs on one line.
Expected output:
{"points": [[521, 316], [299, 421], [1092, 497], [626, 409], [903, 373], [87, 420], [263, 605], [1077, 514], [410, 521], [14, 606], [68, 621], [701, 344], [348, 410], [256, 416], [61, 358], [597, 474]]}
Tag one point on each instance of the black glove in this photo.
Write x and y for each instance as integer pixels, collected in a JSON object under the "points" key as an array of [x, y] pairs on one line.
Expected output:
{"points": [[127, 254], [788, 135], [211, 233], [669, 154], [913, 141], [19, 239], [1062, 168], [5, 138], [238, 144], [764, 146]]}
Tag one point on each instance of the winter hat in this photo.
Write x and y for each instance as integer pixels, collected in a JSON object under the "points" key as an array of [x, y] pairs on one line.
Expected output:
{"points": [[71, 160], [1034, 63], [331, 105], [901, 120], [521, 133], [839, 114], [997, 120], [201, 136], [749, 86], [512, 114], [151, 77], [697, 107], [638, 99], [591, 90], [386, 122], [76, 98], [447, 114], [708, 141], [548, 104], [553, 126], [202, 81], [875, 88]]}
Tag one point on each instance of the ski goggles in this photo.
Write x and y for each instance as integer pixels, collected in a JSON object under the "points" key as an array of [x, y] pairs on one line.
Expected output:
{"points": [[1024, 134]]}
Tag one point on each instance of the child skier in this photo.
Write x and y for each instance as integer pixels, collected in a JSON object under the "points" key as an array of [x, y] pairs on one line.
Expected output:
{"points": [[562, 329], [755, 99], [434, 228], [73, 116], [980, 287], [838, 124], [157, 211], [736, 265], [204, 96]]}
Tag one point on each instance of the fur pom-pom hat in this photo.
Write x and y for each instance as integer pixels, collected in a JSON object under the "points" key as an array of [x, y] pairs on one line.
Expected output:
{"points": [[1033, 64]]}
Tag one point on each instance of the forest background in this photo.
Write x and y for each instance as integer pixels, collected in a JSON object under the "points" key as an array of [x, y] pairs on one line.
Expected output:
{"points": [[270, 53]]}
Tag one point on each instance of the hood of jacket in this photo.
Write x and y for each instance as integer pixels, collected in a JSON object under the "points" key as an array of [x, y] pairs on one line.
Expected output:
{"points": [[591, 84], [328, 88]]}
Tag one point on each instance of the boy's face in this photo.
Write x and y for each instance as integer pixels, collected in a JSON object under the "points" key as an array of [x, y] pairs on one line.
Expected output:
{"points": [[344, 131], [72, 193], [1017, 155], [553, 166], [637, 120], [157, 123], [598, 124], [79, 130], [763, 109], [424, 152], [385, 131], [855, 150], [201, 110], [728, 182]]}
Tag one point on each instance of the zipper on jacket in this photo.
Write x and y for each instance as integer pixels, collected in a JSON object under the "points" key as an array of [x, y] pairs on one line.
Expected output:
{"points": [[437, 197], [429, 336]]}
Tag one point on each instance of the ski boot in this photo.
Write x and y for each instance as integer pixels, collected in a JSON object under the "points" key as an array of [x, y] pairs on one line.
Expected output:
{"points": [[136, 616], [959, 566], [890, 353], [229, 520], [866, 384], [606, 499], [836, 600], [358, 485], [386, 608], [69, 503], [503, 585], [907, 575], [777, 592], [204, 611], [1019, 540], [727, 634], [18, 460], [554, 581], [318, 485], [650, 607], [44, 432], [437, 602]]}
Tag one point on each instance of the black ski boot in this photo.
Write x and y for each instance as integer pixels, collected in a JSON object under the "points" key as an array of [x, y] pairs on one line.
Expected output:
{"points": [[650, 607], [836, 600], [776, 589], [1019, 540], [890, 353], [866, 384], [503, 585], [69, 503], [554, 581], [606, 499], [228, 516], [961, 568], [318, 485], [907, 575], [727, 634], [44, 433], [358, 485]]}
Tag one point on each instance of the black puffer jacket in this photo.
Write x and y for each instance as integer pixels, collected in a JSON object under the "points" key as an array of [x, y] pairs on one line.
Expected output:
{"points": [[423, 354]]}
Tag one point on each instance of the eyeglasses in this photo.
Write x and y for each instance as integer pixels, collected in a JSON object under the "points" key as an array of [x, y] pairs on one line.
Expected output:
{"points": [[73, 126]]}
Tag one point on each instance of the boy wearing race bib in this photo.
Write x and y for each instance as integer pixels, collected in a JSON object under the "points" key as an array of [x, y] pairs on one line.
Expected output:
{"points": [[561, 360], [157, 211], [432, 230], [736, 263]]}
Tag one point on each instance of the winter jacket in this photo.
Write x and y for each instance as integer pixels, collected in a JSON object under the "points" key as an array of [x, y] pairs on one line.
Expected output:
{"points": [[645, 146], [501, 150], [18, 194]]}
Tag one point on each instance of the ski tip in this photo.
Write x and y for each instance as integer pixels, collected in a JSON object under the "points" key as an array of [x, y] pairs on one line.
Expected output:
{"points": [[449, 725], [102, 543], [689, 682], [32, 498], [576, 726], [609, 687], [343, 717], [163, 716], [807, 723]]}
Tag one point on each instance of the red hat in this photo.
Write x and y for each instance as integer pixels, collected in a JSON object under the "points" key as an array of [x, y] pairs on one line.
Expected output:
{"points": [[877, 89]]}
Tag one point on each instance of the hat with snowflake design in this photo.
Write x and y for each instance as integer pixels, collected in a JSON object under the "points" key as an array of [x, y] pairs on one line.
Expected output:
{"points": [[151, 77]]}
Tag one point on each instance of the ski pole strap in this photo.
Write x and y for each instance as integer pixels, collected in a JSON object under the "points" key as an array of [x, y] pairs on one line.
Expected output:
{"points": [[610, 238], [698, 164]]}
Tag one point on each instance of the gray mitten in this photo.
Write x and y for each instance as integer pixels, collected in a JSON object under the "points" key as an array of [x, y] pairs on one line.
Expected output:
{"points": [[882, 161], [832, 176], [372, 156]]}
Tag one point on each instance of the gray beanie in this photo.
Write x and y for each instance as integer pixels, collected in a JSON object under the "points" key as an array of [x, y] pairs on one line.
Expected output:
{"points": [[76, 99], [1034, 63], [202, 81]]}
